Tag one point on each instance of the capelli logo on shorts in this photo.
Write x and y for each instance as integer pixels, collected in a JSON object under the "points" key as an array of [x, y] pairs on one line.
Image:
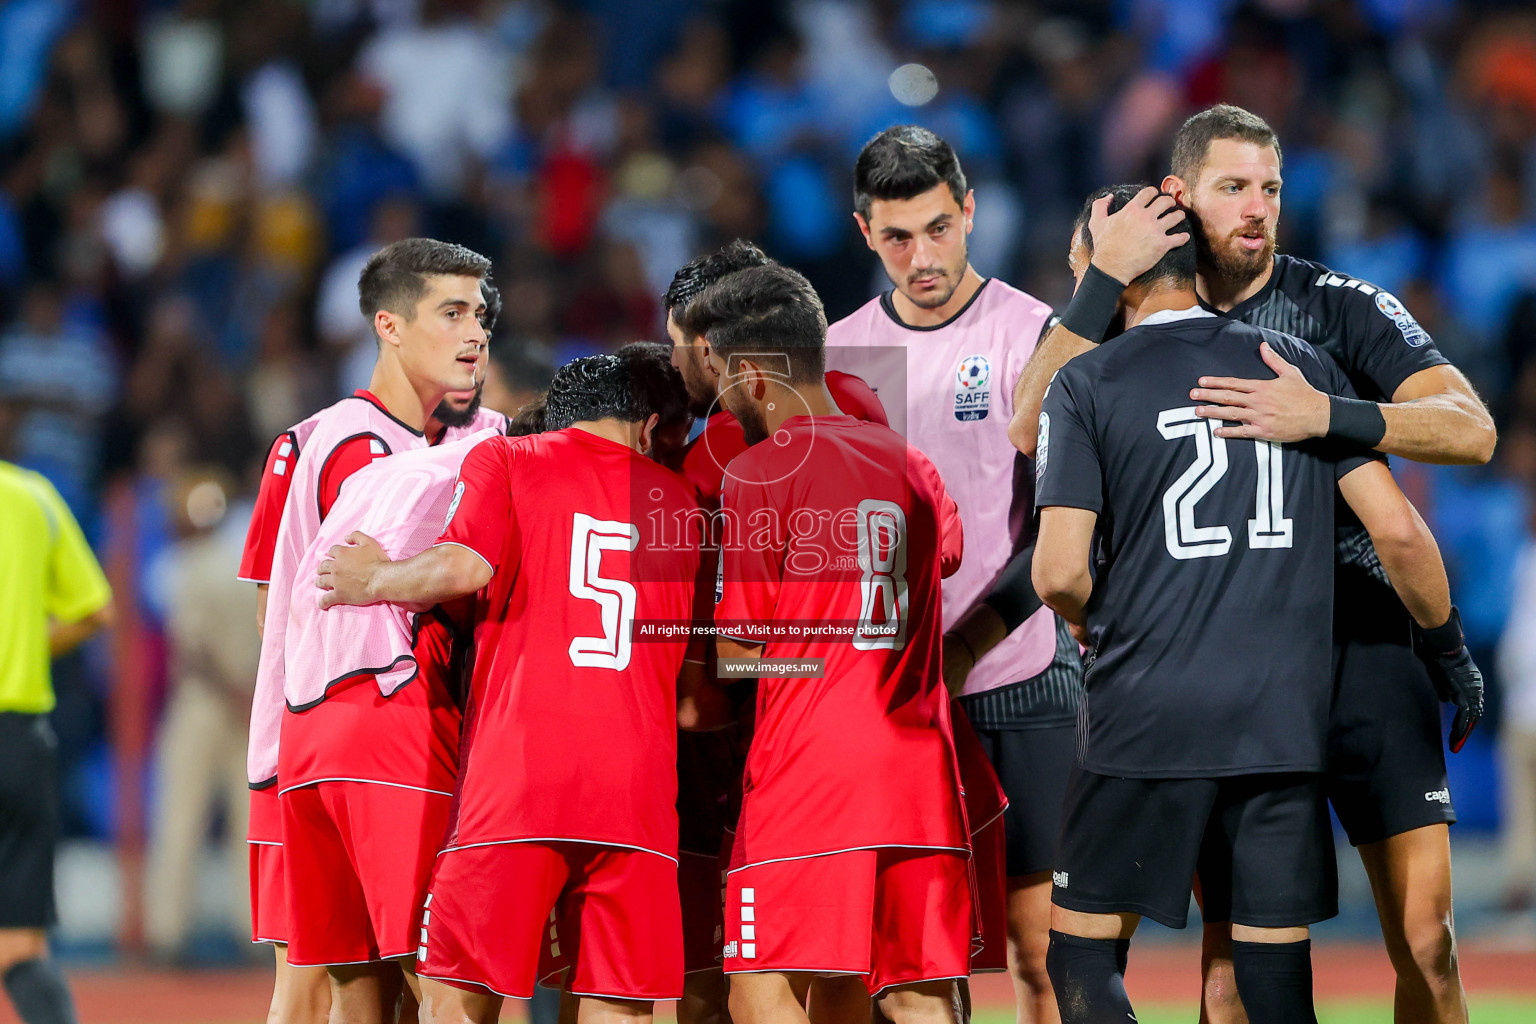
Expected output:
{"points": [[730, 950], [1059, 879], [1439, 796]]}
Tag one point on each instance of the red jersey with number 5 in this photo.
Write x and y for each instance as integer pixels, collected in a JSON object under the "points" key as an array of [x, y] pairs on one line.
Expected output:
{"points": [[842, 533], [571, 728]]}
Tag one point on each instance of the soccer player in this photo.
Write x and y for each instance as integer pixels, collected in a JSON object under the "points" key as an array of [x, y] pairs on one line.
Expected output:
{"points": [[423, 298], [562, 847], [1386, 772], [721, 439], [55, 597], [369, 747], [851, 849], [1205, 732], [941, 349], [710, 762]]}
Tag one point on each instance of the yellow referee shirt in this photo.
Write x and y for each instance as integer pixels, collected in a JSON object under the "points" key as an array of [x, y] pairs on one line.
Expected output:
{"points": [[47, 571]]}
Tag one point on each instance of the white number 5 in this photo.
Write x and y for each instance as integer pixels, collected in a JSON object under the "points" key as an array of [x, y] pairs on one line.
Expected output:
{"points": [[614, 598]]}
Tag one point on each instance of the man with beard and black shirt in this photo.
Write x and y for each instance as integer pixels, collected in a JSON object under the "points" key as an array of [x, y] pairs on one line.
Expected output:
{"points": [[1204, 734], [1386, 767]]}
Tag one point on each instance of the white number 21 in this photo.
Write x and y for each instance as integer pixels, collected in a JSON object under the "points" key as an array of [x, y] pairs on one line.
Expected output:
{"points": [[1267, 529]]}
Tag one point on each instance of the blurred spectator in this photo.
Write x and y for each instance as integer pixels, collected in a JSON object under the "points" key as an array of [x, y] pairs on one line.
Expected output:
{"points": [[62, 372], [200, 756], [447, 87], [347, 334]]}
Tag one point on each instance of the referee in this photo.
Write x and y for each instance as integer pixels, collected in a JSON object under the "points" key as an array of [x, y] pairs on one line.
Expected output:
{"points": [[52, 597]]}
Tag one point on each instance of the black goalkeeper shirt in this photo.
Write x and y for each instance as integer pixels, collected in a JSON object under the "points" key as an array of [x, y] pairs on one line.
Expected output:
{"points": [[1212, 605], [1377, 342]]}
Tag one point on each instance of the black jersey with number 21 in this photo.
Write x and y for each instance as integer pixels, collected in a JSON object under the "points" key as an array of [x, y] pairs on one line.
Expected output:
{"points": [[1213, 600]]}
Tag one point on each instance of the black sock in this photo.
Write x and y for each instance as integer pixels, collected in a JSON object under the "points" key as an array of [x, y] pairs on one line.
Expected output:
{"points": [[1089, 978], [38, 992], [1274, 980]]}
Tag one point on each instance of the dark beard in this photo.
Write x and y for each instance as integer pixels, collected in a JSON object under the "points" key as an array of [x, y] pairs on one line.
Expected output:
{"points": [[753, 426], [449, 417], [936, 300], [1235, 269]]}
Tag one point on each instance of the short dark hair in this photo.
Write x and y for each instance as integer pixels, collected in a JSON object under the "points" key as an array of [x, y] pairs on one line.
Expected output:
{"points": [[1223, 121], [628, 387], [528, 420], [1177, 265], [903, 162], [396, 276], [491, 295], [769, 309], [658, 386], [702, 271]]}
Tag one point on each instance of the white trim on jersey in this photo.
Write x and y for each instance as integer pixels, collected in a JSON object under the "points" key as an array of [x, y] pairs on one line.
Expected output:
{"points": [[477, 984], [250, 579], [628, 999], [371, 782], [261, 842], [918, 981], [348, 963], [853, 849], [466, 547], [1001, 811], [275, 942], [558, 839], [821, 971]]}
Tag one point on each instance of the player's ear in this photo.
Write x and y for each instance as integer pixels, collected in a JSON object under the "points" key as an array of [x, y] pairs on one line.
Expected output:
{"points": [[648, 435], [968, 207], [858, 218], [385, 328], [1174, 186]]}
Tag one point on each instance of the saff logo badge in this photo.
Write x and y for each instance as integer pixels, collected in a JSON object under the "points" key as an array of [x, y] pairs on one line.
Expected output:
{"points": [[973, 396]]}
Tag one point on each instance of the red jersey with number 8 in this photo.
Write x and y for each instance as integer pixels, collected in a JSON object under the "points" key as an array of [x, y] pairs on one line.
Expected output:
{"points": [[571, 728], [837, 536]]}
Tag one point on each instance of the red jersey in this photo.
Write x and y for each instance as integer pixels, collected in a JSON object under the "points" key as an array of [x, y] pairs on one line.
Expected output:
{"points": [[571, 728], [842, 534], [722, 440]]}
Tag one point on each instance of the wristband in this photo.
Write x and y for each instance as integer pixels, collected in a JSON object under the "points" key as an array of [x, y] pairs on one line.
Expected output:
{"points": [[1353, 419], [1447, 638], [1093, 306]]}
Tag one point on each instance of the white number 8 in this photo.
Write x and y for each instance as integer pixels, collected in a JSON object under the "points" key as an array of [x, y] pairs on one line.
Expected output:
{"points": [[883, 559]]}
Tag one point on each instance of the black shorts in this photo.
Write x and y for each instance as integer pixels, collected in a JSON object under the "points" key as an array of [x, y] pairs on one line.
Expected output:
{"points": [[1386, 758], [1033, 766], [29, 820], [1261, 843]]}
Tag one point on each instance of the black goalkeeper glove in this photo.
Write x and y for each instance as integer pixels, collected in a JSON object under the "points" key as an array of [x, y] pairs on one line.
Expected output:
{"points": [[1457, 679]]}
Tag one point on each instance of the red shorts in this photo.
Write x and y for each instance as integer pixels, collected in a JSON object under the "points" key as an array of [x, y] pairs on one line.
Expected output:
{"points": [[989, 859], [357, 859], [698, 889], [269, 903], [505, 915], [896, 916]]}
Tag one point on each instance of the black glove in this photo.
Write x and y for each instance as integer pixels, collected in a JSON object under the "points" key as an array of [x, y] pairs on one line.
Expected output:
{"points": [[1457, 679]]}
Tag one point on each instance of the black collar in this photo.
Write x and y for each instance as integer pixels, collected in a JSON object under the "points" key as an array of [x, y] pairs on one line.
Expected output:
{"points": [[890, 309]]}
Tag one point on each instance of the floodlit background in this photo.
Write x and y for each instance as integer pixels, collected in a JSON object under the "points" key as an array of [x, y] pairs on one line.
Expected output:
{"points": [[189, 189]]}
